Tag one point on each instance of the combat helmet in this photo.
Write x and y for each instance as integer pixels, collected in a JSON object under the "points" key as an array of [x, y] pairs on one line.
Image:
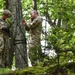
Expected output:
{"points": [[7, 12]]}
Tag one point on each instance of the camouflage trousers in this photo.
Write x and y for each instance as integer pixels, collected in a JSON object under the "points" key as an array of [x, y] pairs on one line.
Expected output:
{"points": [[1, 50], [4, 51], [7, 51], [35, 54]]}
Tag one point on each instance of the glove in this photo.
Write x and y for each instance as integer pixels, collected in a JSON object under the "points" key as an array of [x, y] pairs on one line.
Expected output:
{"points": [[23, 22]]}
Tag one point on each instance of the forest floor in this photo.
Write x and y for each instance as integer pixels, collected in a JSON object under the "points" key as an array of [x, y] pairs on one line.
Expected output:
{"points": [[65, 69]]}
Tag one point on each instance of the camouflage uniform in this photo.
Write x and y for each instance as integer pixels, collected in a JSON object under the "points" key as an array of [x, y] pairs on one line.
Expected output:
{"points": [[35, 28], [7, 40], [4, 41], [1, 45]]}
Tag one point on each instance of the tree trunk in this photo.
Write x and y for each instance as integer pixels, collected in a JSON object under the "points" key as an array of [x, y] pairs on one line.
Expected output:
{"points": [[19, 40], [6, 4], [34, 4]]}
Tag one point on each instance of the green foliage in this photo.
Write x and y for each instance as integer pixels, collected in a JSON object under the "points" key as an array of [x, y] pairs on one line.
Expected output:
{"points": [[1, 4], [64, 69], [4, 70], [26, 8], [62, 38]]}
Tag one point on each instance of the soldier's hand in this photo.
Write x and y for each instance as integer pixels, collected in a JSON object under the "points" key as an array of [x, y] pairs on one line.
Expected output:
{"points": [[23, 22]]}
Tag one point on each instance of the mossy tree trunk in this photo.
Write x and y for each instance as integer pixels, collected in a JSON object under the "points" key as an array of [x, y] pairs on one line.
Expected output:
{"points": [[18, 35]]}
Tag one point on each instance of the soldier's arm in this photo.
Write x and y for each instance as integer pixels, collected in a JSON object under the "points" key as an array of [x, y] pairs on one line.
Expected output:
{"points": [[25, 24], [27, 27], [35, 22]]}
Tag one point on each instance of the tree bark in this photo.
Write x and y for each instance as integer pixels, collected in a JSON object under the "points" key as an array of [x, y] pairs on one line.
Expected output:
{"points": [[19, 39], [34, 4]]}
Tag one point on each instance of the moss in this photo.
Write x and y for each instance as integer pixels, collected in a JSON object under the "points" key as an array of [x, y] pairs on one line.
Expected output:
{"points": [[64, 69], [32, 71]]}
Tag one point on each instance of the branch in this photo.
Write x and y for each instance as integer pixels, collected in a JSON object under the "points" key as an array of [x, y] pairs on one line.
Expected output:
{"points": [[49, 20], [59, 22]]}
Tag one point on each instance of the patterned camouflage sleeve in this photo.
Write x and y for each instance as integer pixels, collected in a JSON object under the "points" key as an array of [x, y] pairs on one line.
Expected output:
{"points": [[27, 27], [35, 22]]}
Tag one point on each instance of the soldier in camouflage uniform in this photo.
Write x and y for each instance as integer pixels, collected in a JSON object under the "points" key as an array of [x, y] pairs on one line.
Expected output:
{"points": [[4, 37], [34, 27]]}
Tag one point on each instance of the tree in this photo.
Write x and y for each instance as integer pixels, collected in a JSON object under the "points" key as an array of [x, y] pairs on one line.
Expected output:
{"points": [[19, 39], [34, 2]]}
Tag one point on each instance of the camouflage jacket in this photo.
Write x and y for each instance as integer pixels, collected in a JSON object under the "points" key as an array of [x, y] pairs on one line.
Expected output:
{"points": [[5, 27], [4, 33], [35, 28]]}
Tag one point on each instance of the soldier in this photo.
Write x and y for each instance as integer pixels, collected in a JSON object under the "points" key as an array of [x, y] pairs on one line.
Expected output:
{"points": [[4, 37], [34, 27]]}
